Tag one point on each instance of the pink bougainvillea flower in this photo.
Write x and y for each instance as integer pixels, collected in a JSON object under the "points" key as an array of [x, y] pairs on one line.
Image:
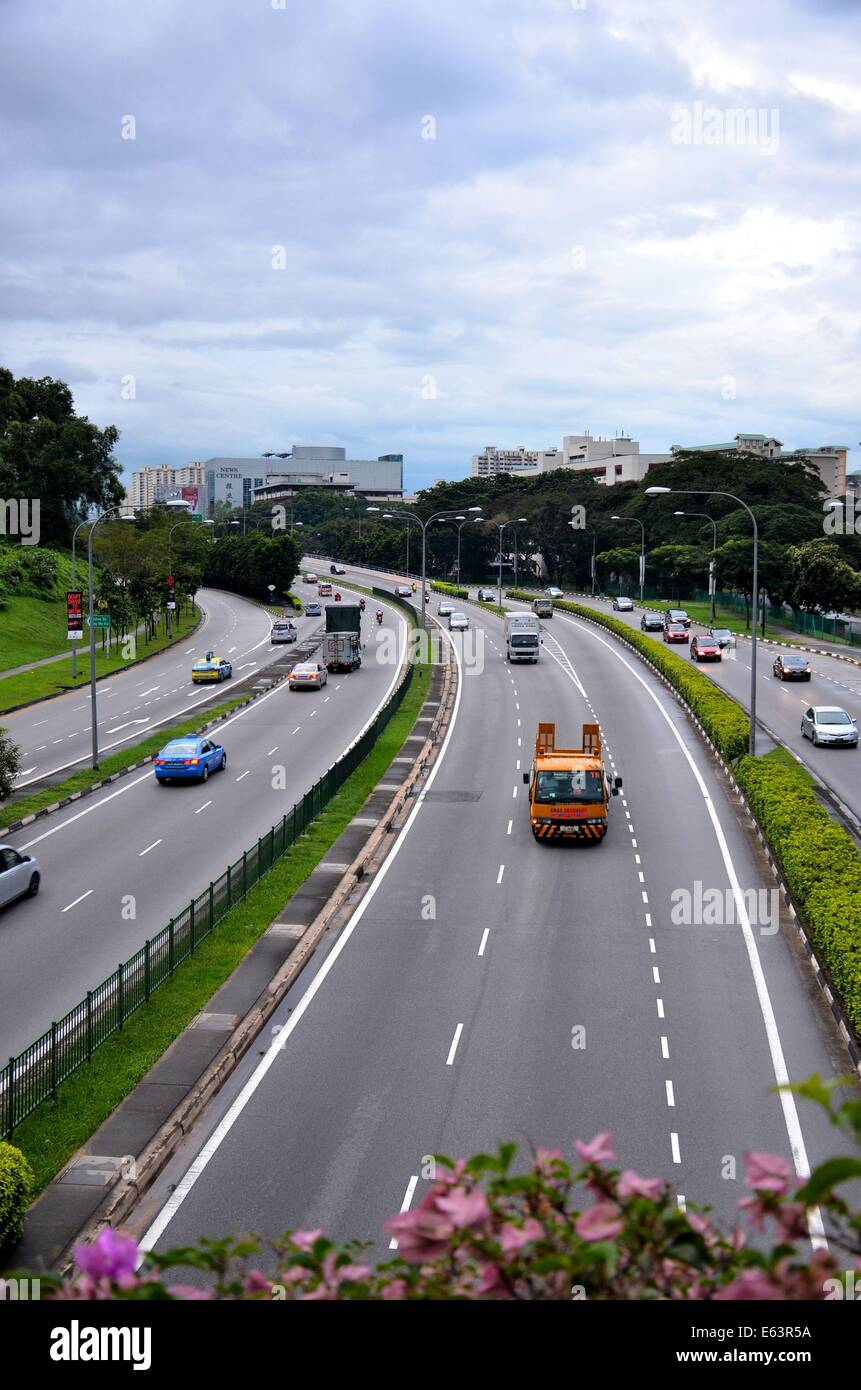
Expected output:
{"points": [[306, 1240], [630, 1184], [399, 1288], [766, 1172], [751, 1284], [755, 1211], [467, 1207], [513, 1238], [422, 1233], [111, 1256], [792, 1220], [189, 1293], [255, 1282], [598, 1150], [601, 1222], [491, 1282]]}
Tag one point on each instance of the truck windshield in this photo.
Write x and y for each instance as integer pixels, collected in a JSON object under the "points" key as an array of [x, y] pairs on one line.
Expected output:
{"points": [[579, 786], [524, 639]]}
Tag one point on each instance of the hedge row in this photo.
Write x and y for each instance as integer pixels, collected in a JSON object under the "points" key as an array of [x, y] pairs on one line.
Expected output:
{"points": [[725, 723], [820, 863], [16, 1184], [451, 589], [819, 860]]}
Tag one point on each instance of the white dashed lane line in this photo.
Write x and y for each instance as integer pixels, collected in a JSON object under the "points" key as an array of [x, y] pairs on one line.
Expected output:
{"points": [[203, 807], [77, 900], [454, 1042], [148, 848]]}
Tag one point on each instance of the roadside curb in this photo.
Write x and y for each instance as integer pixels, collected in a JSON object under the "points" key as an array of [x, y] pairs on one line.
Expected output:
{"points": [[820, 972]]}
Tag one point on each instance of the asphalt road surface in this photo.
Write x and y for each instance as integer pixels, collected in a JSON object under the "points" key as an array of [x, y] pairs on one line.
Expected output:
{"points": [[141, 848], [490, 987]]}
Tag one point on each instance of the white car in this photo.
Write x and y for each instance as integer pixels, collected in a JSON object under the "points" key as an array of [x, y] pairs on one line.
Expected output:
{"points": [[20, 875], [623, 605], [457, 622], [553, 592], [487, 595], [308, 675], [829, 724], [445, 608]]}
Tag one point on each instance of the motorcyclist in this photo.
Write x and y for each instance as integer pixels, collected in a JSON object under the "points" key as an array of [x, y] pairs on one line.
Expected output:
{"points": [[362, 604], [414, 586], [379, 615], [337, 597]]}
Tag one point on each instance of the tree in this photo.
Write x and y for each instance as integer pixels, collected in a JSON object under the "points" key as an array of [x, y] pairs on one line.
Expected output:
{"points": [[679, 568], [621, 562], [10, 764], [822, 580], [50, 454]]}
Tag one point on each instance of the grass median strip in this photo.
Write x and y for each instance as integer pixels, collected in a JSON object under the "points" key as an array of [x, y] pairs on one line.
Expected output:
{"points": [[17, 807], [53, 1132]]}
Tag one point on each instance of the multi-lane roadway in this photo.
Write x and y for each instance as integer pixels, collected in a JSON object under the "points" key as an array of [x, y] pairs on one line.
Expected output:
{"points": [[491, 987], [117, 866]]}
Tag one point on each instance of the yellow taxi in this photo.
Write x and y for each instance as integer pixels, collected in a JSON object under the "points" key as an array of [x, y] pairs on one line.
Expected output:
{"points": [[211, 668]]}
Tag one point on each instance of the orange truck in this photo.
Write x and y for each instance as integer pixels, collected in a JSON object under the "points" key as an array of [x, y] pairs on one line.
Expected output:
{"points": [[569, 790]]}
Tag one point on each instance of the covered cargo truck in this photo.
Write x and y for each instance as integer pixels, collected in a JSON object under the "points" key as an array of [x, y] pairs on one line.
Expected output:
{"points": [[342, 642], [522, 637]]}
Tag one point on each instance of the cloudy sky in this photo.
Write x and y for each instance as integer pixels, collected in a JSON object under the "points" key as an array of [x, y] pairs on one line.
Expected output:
{"points": [[429, 225]]}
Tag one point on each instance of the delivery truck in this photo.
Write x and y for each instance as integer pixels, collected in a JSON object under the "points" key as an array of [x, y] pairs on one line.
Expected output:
{"points": [[342, 640], [522, 637]]}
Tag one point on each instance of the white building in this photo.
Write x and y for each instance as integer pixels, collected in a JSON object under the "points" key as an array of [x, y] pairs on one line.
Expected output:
{"points": [[829, 460], [150, 485], [610, 460]]}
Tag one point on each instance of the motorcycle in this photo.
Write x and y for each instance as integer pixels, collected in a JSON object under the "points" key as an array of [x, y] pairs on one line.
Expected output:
{"points": [[362, 604], [379, 615]]}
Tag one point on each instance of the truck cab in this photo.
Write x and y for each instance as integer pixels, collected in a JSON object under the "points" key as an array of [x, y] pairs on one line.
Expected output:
{"points": [[542, 607], [569, 789]]}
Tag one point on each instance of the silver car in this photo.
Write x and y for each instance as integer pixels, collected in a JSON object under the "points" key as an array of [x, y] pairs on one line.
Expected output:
{"points": [[828, 724], [445, 608], [458, 622], [283, 632], [20, 875]]}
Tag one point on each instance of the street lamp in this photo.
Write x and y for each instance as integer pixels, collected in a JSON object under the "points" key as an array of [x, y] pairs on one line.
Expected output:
{"points": [[708, 492], [711, 561], [94, 713], [500, 526], [642, 548], [437, 516], [592, 529]]}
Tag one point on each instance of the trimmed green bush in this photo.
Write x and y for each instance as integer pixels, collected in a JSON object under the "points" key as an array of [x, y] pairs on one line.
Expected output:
{"points": [[16, 1184], [451, 589], [820, 863]]}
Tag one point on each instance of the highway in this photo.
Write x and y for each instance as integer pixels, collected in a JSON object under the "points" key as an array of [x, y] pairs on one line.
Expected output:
{"points": [[117, 866], [55, 735], [780, 704], [490, 987]]}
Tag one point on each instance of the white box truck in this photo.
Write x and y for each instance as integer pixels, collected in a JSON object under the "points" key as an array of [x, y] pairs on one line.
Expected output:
{"points": [[522, 637]]}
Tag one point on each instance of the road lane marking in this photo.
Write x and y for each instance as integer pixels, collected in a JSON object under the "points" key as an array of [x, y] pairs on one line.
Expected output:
{"points": [[674, 1142], [78, 900], [778, 1060], [203, 807], [485, 934], [454, 1042], [276, 1047], [44, 721], [660, 1004], [501, 872], [405, 1204], [242, 775], [665, 1047], [671, 1099], [510, 824], [296, 730], [148, 848], [272, 750]]}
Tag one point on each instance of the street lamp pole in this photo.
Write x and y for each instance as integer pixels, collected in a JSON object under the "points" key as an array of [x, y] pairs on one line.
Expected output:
{"points": [[94, 711], [706, 492], [75, 642], [437, 516], [711, 561], [642, 548], [501, 527]]}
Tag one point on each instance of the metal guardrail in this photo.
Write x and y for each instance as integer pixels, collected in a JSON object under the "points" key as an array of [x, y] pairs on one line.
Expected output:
{"points": [[35, 1074]]}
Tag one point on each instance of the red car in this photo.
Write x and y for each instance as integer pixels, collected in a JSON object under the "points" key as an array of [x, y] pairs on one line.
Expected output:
{"points": [[675, 632], [705, 649]]}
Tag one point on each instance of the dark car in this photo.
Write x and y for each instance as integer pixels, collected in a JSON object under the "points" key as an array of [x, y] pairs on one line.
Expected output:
{"points": [[790, 667], [677, 615], [652, 622], [675, 632], [705, 649], [724, 636]]}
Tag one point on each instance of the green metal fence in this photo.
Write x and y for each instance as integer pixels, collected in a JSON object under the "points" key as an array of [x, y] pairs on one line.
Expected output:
{"points": [[35, 1074]]}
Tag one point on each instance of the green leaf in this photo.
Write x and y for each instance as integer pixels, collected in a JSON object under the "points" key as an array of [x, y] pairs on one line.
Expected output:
{"points": [[826, 1176]]}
